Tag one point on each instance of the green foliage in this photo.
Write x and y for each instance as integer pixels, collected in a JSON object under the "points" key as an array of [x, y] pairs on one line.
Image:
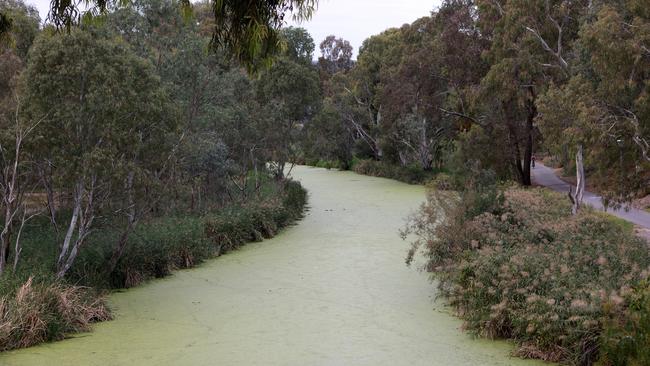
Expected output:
{"points": [[249, 31], [239, 225], [521, 267], [336, 55], [19, 25], [626, 336], [289, 94], [101, 107], [326, 137], [299, 46], [412, 174]]}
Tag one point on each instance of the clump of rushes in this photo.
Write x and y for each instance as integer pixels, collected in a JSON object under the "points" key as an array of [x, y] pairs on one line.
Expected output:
{"points": [[41, 312], [522, 267]]}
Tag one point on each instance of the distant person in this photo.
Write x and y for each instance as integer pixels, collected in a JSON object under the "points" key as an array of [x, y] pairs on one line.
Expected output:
{"points": [[532, 161]]}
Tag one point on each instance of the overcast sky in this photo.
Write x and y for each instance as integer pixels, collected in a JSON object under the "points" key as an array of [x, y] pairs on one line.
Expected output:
{"points": [[353, 20], [356, 20]]}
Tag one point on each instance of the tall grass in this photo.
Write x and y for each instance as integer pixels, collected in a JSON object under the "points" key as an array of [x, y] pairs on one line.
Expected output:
{"points": [[38, 312]]}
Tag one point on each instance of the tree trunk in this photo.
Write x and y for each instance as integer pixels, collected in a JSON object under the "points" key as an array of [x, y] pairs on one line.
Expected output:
{"points": [[81, 222], [5, 238], [514, 143], [425, 147], [72, 227], [577, 196], [528, 150], [120, 246]]}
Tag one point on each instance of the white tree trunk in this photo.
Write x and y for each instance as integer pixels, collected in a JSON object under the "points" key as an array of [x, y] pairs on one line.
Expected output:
{"points": [[577, 196], [81, 222]]}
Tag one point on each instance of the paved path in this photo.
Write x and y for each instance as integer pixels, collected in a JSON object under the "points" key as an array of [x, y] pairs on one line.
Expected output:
{"points": [[545, 176], [332, 290]]}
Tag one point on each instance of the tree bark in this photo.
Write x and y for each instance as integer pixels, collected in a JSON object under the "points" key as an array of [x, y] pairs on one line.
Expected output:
{"points": [[577, 196], [131, 219], [528, 150]]}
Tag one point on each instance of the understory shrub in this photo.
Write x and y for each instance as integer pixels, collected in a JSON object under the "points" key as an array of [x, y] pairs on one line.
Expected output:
{"points": [[516, 264], [626, 337], [238, 225], [327, 164], [411, 174]]}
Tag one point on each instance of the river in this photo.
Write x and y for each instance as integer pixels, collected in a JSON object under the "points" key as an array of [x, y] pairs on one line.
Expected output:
{"points": [[332, 290]]}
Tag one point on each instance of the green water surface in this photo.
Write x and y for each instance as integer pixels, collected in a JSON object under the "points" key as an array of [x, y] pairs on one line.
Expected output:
{"points": [[332, 290]]}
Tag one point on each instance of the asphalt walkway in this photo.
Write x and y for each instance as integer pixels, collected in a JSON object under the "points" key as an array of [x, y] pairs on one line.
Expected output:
{"points": [[545, 176]]}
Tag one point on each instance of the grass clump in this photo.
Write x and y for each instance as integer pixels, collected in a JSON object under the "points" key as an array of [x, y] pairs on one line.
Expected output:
{"points": [[516, 264], [37, 312]]}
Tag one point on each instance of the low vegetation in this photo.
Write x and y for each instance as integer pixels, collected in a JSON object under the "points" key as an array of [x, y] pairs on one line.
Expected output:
{"points": [[516, 264], [39, 309], [37, 312], [411, 174]]}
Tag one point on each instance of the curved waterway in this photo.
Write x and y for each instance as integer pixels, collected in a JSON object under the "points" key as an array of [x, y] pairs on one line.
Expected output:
{"points": [[332, 290]]}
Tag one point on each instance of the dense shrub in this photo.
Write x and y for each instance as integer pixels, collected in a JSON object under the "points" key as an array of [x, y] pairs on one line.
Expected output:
{"points": [[157, 248], [238, 225], [38, 312], [626, 337], [411, 174], [515, 264], [327, 164]]}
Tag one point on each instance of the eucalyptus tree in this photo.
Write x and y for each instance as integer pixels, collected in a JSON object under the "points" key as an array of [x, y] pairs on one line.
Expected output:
{"points": [[604, 105], [336, 55], [249, 30], [105, 127], [356, 94], [289, 94], [413, 95], [15, 168], [16, 173], [22, 24], [329, 137], [298, 45]]}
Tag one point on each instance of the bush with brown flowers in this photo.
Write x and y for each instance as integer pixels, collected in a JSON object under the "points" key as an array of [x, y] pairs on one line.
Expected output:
{"points": [[521, 267]]}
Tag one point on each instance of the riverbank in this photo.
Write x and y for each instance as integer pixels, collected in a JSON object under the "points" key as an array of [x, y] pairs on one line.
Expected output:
{"points": [[411, 174], [332, 290], [34, 308], [515, 264]]}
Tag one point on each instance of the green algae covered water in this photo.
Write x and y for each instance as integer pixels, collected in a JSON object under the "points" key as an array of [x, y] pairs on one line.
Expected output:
{"points": [[332, 290]]}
